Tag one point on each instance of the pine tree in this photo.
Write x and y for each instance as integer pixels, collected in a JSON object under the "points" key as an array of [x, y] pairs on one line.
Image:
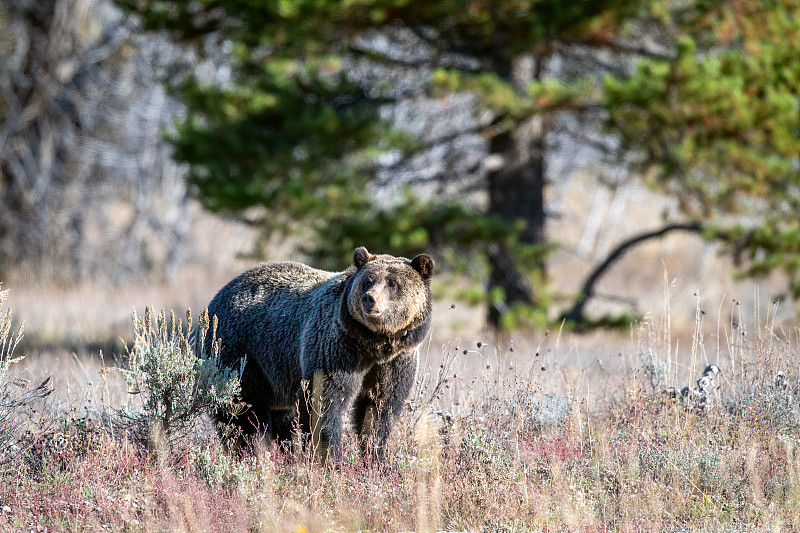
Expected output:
{"points": [[290, 143], [717, 124]]}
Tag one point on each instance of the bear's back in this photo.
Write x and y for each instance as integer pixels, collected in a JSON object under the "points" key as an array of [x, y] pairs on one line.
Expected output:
{"points": [[284, 284], [262, 309]]}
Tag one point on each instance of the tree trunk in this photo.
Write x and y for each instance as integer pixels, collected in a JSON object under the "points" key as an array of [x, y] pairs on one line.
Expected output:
{"points": [[516, 193]]}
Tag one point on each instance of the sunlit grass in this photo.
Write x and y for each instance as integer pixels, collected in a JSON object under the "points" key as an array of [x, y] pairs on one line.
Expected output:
{"points": [[494, 438]]}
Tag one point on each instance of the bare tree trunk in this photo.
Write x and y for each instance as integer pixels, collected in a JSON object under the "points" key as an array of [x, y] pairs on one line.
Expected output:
{"points": [[516, 193]]}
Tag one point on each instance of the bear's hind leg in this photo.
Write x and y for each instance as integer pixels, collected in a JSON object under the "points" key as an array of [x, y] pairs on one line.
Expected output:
{"points": [[256, 420]]}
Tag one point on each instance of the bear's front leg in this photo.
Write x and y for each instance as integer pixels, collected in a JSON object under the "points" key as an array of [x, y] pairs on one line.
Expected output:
{"points": [[323, 405], [380, 402]]}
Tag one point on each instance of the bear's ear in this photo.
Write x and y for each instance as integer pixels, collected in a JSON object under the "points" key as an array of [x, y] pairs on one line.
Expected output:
{"points": [[424, 265], [361, 257]]}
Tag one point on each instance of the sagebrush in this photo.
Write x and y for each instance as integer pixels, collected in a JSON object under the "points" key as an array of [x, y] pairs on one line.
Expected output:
{"points": [[178, 382]]}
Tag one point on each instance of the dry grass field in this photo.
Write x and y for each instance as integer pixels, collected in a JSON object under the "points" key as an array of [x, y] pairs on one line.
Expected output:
{"points": [[493, 440], [535, 431]]}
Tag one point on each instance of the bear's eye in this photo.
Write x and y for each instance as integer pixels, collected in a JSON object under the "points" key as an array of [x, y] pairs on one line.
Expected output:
{"points": [[369, 282], [392, 285]]}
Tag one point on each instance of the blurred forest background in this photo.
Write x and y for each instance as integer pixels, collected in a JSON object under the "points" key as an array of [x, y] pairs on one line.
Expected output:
{"points": [[559, 159]]}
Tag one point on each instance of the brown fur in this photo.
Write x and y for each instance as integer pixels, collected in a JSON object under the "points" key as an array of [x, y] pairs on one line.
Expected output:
{"points": [[353, 335]]}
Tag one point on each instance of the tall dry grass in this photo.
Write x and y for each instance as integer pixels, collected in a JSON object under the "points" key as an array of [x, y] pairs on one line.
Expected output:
{"points": [[495, 438]]}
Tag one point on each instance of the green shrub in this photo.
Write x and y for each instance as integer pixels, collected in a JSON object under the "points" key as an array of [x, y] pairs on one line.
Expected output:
{"points": [[766, 400], [178, 386], [226, 471]]}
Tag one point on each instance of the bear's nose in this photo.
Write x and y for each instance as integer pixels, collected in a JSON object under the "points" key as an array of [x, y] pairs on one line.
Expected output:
{"points": [[368, 301]]}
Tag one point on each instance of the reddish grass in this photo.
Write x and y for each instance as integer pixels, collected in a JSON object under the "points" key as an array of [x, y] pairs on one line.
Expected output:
{"points": [[504, 446]]}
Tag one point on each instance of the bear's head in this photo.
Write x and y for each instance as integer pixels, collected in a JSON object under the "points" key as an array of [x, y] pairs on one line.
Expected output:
{"points": [[388, 294]]}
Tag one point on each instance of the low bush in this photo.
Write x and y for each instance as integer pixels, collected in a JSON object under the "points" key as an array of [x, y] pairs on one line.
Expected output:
{"points": [[178, 384]]}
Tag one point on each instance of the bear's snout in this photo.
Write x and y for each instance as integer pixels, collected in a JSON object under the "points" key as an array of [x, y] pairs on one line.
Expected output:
{"points": [[369, 304]]}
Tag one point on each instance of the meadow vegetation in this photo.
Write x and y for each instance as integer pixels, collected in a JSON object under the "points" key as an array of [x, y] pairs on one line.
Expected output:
{"points": [[498, 436]]}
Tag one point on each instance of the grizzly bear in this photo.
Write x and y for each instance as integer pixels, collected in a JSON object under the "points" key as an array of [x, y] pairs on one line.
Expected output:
{"points": [[322, 344]]}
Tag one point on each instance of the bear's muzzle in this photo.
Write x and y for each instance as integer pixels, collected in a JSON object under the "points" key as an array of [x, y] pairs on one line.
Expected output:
{"points": [[369, 305]]}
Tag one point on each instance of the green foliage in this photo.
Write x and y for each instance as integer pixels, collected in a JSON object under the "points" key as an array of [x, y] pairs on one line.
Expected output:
{"points": [[290, 143], [487, 28], [275, 142], [270, 146], [231, 473], [559, 95], [769, 401], [718, 126], [520, 315], [177, 384], [409, 226], [497, 94]]}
